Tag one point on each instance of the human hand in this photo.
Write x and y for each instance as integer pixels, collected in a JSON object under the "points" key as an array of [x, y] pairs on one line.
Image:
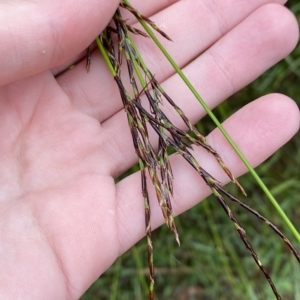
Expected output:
{"points": [[64, 140]]}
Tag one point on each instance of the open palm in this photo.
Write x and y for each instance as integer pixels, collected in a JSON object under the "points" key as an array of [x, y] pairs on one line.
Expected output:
{"points": [[64, 140]]}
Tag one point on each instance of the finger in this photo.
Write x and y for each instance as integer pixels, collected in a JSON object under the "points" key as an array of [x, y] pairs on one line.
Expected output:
{"points": [[39, 35], [193, 26], [259, 129], [146, 8], [233, 62]]}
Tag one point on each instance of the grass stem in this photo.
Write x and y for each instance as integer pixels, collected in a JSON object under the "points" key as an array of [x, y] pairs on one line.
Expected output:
{"points": [[221, 128]]}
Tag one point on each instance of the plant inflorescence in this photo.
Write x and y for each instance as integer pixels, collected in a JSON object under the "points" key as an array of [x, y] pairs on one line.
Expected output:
{"points": [[142, 98]]}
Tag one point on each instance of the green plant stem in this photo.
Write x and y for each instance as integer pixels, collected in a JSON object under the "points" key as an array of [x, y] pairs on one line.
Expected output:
{"points": [[105, 57], [138, 263], [218, 242], [115, 282], [221, 128]]}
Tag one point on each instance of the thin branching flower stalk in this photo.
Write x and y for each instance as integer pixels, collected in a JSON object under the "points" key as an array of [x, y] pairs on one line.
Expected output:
{"points": [[156, 162]]}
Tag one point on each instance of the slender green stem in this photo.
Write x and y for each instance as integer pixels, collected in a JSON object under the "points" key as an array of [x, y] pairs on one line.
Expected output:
{"points": [[105, 57], [115, 281], [137, 69], [139, 267], [218, 242], [223, 256], [221, 128]]}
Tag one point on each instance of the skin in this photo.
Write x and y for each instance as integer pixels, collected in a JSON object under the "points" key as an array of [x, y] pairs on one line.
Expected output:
{"points": [[63, 140]]}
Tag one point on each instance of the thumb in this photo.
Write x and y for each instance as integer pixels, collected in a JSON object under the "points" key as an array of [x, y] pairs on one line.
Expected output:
{"points": [[39, 35]]}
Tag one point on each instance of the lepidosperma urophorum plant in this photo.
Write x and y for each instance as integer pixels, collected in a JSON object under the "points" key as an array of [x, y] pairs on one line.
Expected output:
{"points": [[118, 49]]}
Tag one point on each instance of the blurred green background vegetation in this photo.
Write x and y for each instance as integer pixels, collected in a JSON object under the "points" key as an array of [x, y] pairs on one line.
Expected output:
{"points": [[212, 262]]}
